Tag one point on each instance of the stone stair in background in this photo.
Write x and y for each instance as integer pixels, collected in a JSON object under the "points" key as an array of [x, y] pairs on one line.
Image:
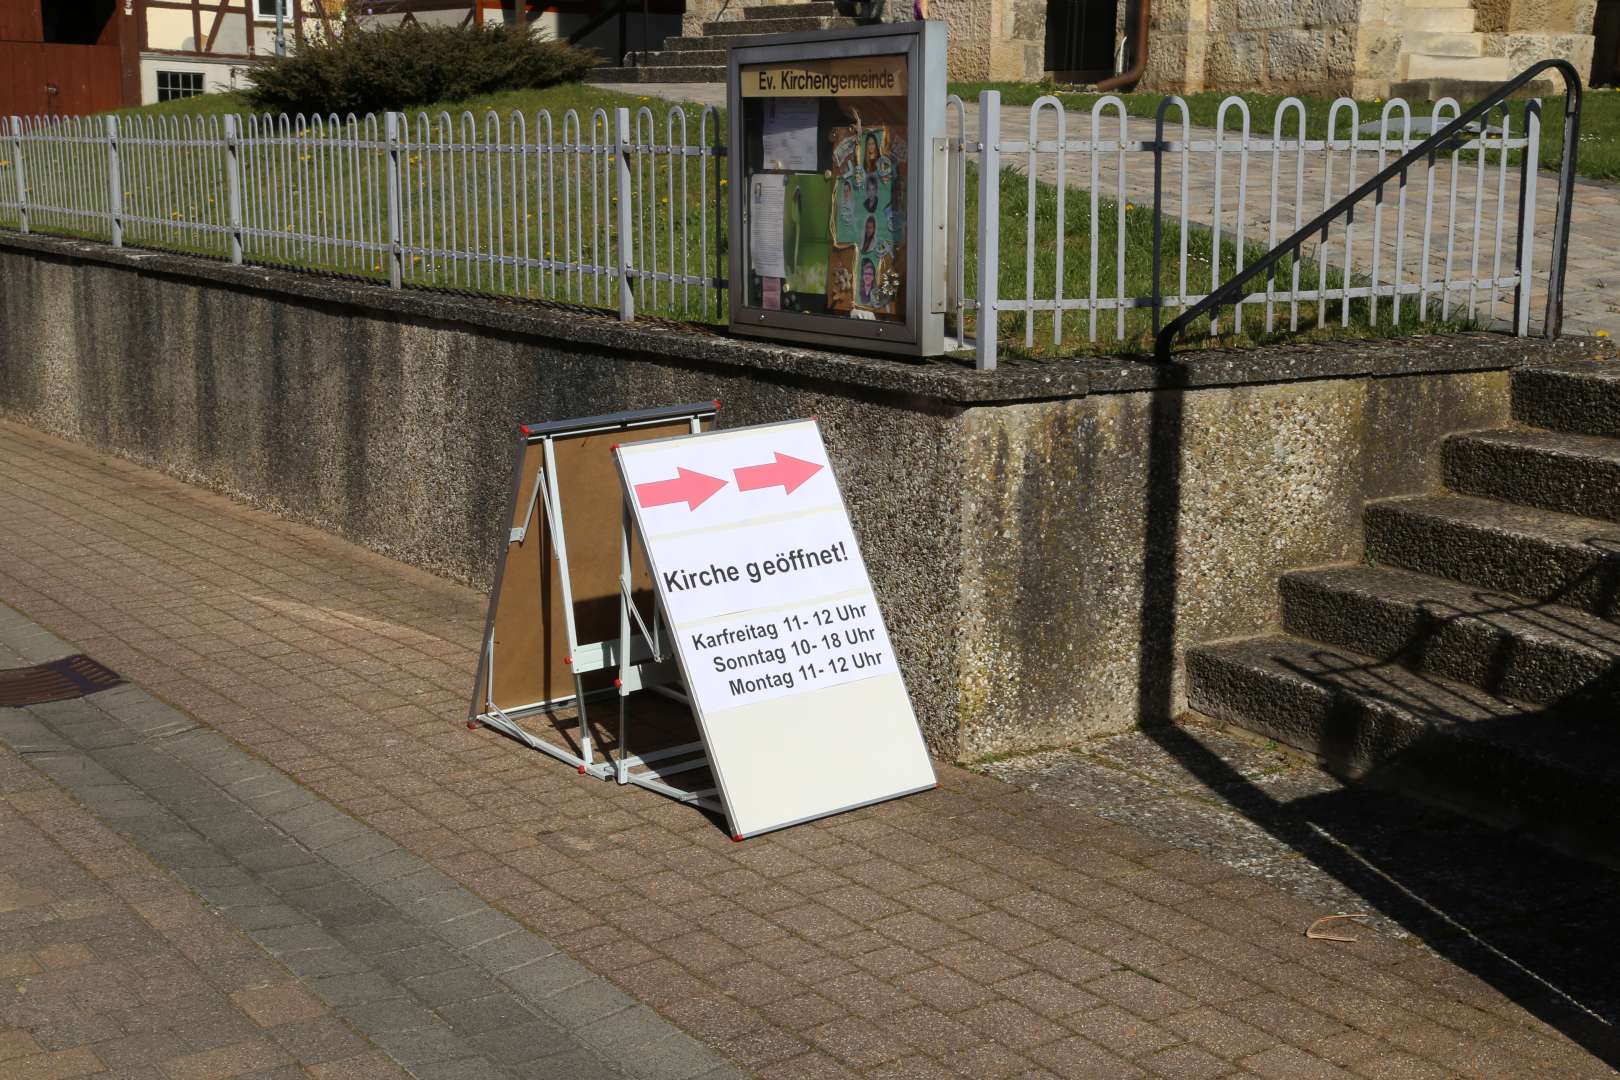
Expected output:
{"points": [[1443, 56], [1474, 659], [702, 58]]}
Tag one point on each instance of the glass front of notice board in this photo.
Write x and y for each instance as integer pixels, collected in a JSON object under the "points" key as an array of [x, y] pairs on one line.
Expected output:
{"points": [[826, 174]]}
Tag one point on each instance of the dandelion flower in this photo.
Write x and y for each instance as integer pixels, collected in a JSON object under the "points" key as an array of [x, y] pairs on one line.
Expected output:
{"points": [[1602, 333]]}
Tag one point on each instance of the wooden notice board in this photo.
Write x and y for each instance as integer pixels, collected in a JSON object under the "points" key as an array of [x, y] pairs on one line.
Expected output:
{"points": [[524, 664]]}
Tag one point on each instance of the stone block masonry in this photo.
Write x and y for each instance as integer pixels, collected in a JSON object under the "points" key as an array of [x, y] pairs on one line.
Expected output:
{"points": [[1043, 538]]}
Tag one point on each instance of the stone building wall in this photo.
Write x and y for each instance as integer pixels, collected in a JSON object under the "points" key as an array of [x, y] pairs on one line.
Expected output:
{"points": [[1295, 45], [1355, 47]]}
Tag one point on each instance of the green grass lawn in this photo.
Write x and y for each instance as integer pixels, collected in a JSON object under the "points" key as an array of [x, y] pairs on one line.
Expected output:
{"points": [[698, 215], [1600, 117]]}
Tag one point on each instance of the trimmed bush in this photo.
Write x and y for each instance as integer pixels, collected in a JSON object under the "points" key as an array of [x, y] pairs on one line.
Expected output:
{"points": [[361, 70]]}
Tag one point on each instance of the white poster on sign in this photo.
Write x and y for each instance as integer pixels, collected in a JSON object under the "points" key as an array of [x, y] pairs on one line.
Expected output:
{"points": [[781, 645], [765, 248], [789, 137]]}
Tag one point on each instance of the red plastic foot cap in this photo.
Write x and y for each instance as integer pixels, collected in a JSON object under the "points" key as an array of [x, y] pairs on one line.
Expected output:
{"points": [[472, 725], [523, 428], [737, 839], [716, 404], [582, 770]]}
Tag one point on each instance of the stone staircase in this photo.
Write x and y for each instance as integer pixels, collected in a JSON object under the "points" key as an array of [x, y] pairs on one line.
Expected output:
{"points": [[1443, 56], [702, 57], [1475, 657]]}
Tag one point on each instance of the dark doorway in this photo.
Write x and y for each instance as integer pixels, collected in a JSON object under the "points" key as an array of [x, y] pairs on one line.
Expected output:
{"points": [[1080, 38], [1606, 47], [76, 22]]}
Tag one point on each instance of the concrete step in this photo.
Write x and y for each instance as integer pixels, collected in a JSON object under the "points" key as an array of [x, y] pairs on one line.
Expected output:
{"points": [[704, 44], [1578, 396], [1485, 69], [1443, 43], [822, 10], [1437, 20], [774, 25], [671, 74], [1466, 91], [1545, 654], [1553, 470], [1553, 774], [1536, 554], [687, 58]]}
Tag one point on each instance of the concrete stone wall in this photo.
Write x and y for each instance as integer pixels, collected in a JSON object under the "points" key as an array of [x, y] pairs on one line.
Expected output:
{"points": [[1044, 539]]}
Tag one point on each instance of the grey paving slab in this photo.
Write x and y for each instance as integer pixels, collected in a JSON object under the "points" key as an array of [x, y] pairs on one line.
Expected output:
{"points": [[428, 971]]}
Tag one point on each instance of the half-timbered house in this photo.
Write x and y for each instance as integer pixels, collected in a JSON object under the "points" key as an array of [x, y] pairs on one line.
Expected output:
{"points": [[78, 56]]}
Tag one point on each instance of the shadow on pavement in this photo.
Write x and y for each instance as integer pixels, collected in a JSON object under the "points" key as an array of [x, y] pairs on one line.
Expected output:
{"points": [[1536, 925]]}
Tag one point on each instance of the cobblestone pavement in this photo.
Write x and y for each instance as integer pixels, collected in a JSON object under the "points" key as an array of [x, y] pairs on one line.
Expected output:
{"points": [[109, 965], [352, 955], [1590, 297], [978, 930], [1525, 917]]}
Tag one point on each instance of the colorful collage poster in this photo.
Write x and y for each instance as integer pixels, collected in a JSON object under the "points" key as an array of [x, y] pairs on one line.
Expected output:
{"points": [[867, 262], [824, 145]]}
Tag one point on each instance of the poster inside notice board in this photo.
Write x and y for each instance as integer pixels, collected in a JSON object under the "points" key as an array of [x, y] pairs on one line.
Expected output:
{"points": [[826, 170]]}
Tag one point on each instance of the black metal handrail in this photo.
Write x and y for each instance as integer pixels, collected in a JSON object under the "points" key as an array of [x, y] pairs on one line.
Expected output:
{"points": [[1234, 289]]}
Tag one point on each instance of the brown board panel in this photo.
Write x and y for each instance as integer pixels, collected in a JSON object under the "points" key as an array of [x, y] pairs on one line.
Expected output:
{"points": [[527, 616]]}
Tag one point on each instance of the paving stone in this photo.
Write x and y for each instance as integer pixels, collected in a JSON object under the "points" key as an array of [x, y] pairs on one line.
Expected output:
{"points": [[974, 899]]}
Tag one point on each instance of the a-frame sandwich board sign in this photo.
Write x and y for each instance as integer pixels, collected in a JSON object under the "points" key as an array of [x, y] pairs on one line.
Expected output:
{"points": [[785, 657], [552, 638]]}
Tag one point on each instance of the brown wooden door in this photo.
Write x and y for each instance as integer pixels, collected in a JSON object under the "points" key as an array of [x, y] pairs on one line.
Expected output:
{"points": [[40, 79]]}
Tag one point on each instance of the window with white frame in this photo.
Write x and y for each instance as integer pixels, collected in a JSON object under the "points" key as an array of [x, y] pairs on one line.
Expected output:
{"points": [[266, 9], [178, 84]]}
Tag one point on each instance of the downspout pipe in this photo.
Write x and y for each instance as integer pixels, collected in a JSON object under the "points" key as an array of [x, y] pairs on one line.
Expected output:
{"points": [[1128, 78]]}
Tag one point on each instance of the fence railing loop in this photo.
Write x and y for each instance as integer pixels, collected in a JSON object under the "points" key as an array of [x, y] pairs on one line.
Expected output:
{"points": [[599, 207]]}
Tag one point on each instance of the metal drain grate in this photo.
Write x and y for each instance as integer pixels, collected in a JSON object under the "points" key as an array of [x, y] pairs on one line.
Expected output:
{"points": [[59, 680]]}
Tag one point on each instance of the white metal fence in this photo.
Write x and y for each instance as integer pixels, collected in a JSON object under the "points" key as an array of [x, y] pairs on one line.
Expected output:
{"points": [[1065, 225], [605, 210], [1452, 239]]}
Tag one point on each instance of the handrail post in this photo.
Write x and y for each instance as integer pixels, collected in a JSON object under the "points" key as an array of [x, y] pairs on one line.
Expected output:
{"points": [[621, 145], [115, 185], [989, 269], [17, 171], [233, 188], [396, 245], [1553, 323], [1526, 238], [1158, 213]]}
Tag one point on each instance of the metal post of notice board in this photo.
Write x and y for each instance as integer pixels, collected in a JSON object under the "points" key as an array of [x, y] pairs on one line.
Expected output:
{"points": [[659, 674], [535, 658]]}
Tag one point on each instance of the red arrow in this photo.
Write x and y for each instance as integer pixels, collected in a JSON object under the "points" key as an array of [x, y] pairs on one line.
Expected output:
{"points": [[788, 472], [691, 488]]}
